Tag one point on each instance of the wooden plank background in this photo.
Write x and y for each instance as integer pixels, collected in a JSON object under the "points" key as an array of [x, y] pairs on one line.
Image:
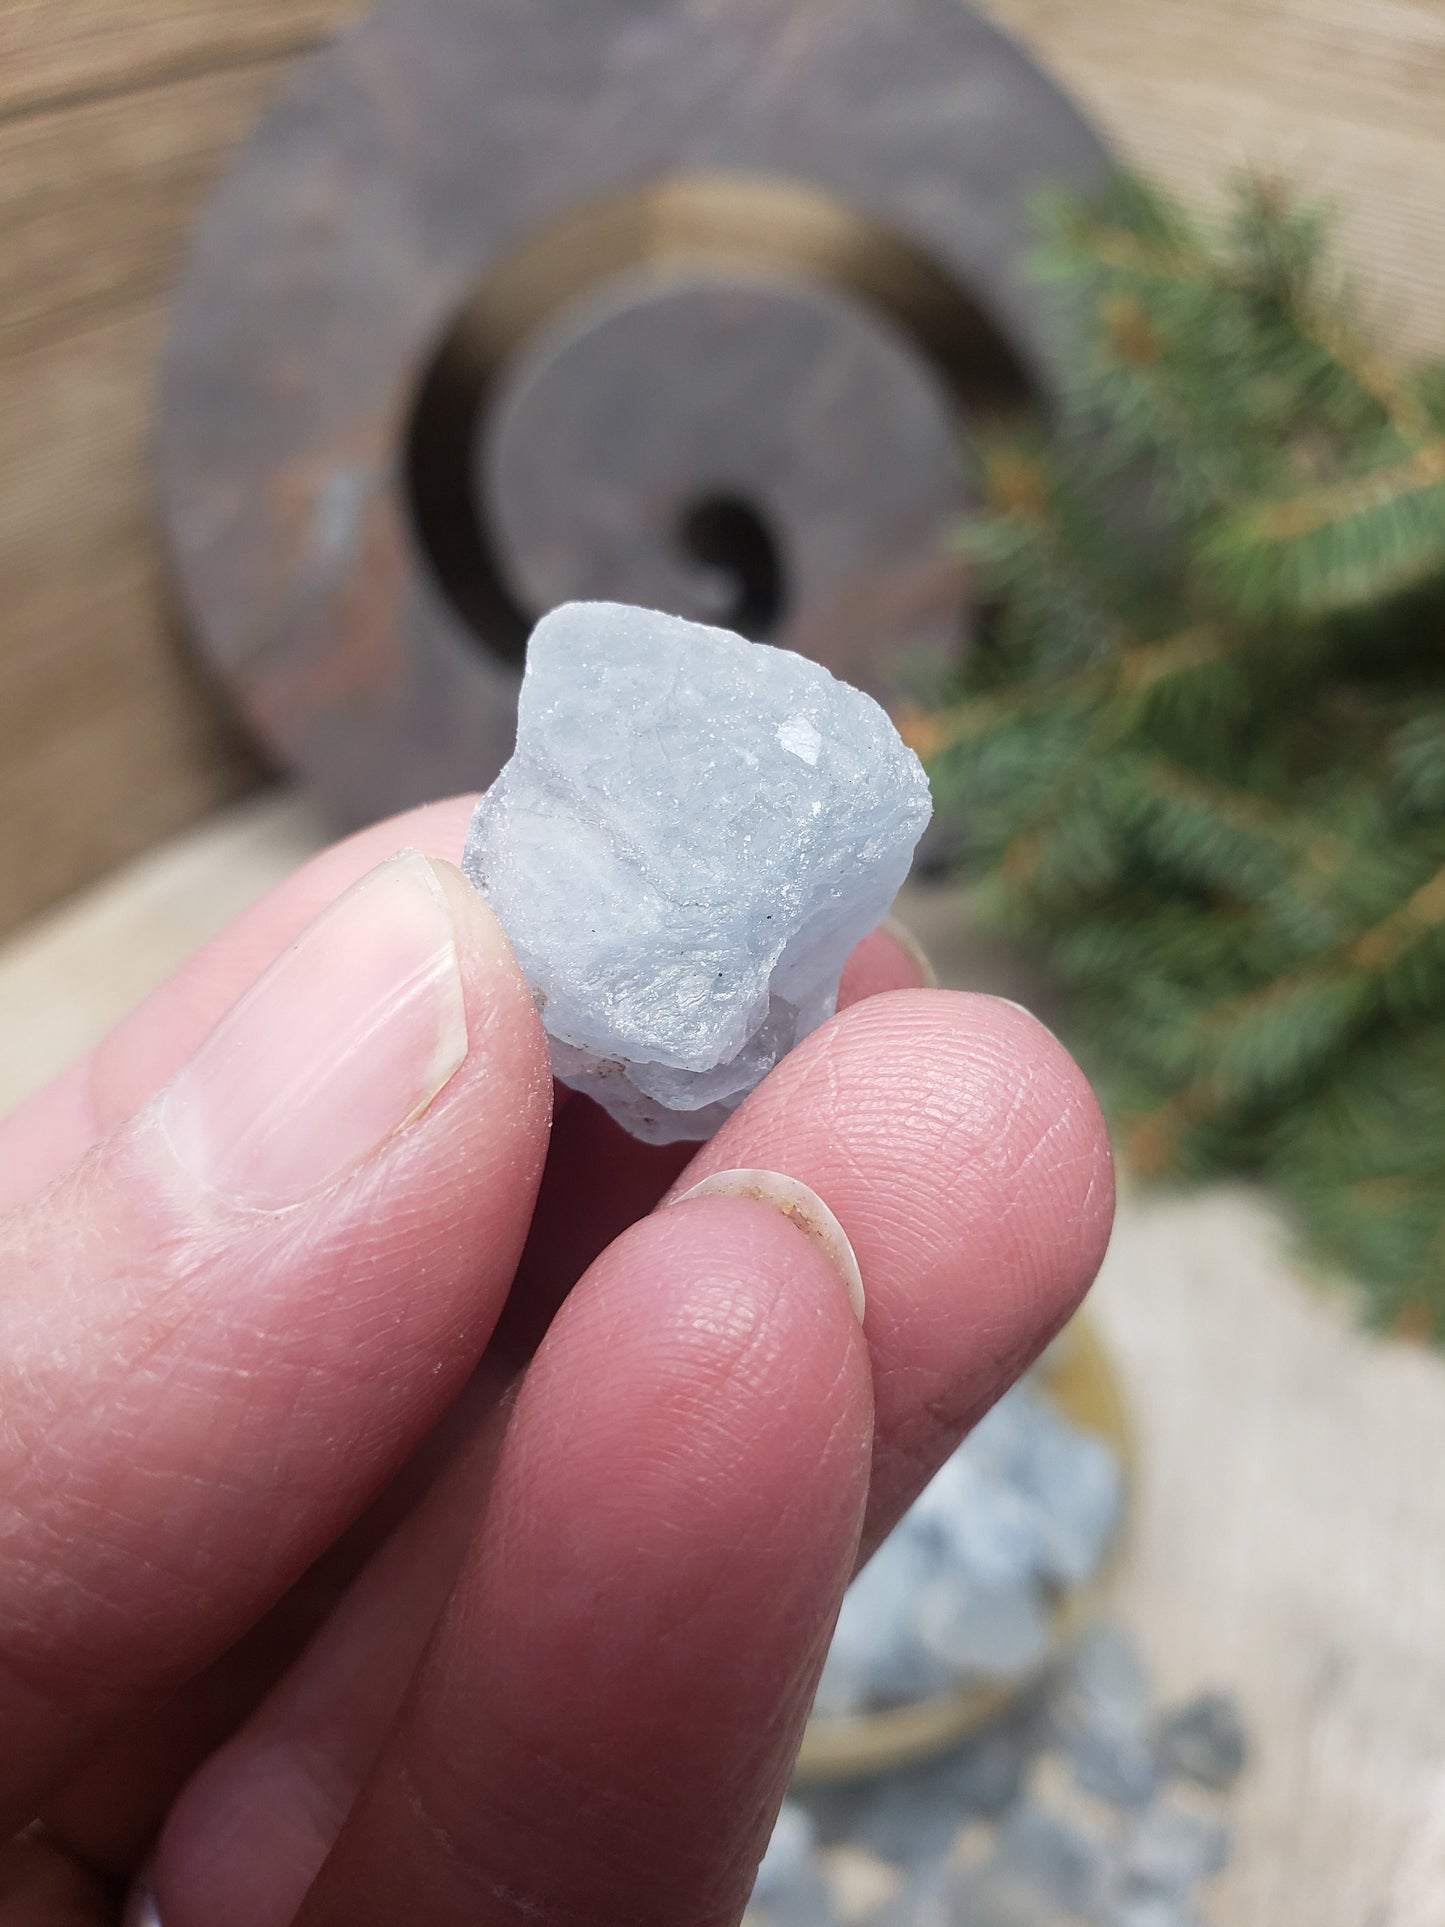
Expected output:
{"points": [[115, 116]]}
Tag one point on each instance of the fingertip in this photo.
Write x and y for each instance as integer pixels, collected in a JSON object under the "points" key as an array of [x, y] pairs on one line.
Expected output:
{"points": [[963, 1150], [725, 1292], [1003, 1108], [799, 1206], [1072, 1153]]}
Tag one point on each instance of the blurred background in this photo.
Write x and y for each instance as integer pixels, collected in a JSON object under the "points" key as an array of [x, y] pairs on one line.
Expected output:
{"points": [[1074, 379]]}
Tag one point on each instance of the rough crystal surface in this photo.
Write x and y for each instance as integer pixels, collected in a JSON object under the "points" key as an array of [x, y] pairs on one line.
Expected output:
{"points": [[690, 837]]}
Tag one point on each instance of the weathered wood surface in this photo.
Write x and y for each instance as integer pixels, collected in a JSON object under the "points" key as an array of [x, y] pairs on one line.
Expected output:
{"points": [[115, 116], [1346, 97], [55, 56], [1290, 1536]]}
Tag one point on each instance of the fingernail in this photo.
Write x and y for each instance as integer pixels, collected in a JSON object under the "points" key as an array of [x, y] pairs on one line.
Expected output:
{"points": [[345, 1040], [1014, 1004], [906, 940], [801, 1206]]}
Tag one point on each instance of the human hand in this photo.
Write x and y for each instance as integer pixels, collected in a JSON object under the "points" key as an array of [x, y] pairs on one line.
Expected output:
{"points": [[357, 1562]]}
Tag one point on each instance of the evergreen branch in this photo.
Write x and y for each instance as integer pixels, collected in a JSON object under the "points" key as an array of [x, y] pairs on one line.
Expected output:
{"points": [[1185, 261], [1405, 411], [1202, 753], [1350, 544], [1248, 811], [1423, 913], [931, 734], [1423, 1312], [1116, 248], [1369, 955], [1138, 668], [1148, 664], [1154, 1139], [1321, 508], [1020, 858]]}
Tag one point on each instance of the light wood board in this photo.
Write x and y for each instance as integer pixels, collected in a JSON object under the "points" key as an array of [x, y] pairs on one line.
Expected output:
{"points": [[1346, 98], [115, 116], [1289, 1542]]}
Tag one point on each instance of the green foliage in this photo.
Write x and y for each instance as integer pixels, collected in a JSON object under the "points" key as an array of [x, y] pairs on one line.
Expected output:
{"points": [[1199, 757]]}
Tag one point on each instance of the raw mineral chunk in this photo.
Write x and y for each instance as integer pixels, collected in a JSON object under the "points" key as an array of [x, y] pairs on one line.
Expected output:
{"points": [[690, 837]]}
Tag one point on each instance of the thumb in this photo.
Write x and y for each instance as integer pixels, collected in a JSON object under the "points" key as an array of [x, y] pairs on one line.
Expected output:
{"points": [[224, 1328]]}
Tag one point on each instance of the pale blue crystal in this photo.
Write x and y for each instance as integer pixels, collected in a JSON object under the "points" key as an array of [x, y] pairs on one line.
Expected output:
{"points": [[1105, 1721], [790, 1889], [964, 1587], [875, 1655], [1204, 1741], [1150, 1910], [789, 1857], [1107, 1683], [1114, 1763], [984, 1631], [988, 1896], [1170, 1851], [1064, 1863], [691, 835]]}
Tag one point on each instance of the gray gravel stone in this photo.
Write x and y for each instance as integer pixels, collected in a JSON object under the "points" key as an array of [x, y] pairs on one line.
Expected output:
{"points": [[1168, 1852], [1062, 1862], [1204, 1741]]}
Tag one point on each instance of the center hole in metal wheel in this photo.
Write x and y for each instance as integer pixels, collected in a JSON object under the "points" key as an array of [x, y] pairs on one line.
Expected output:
{"points": [[732, 541], [756, 222]]}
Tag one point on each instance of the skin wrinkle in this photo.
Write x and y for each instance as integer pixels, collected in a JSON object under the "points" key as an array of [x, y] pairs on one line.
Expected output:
{"points": [[615, 1820], [41, 1546], [701, 1439], [49, 1436], [620, 1825], [420, 1809], [98, 1677], [233, 1378], [1064, 1126], [173, 1579]]}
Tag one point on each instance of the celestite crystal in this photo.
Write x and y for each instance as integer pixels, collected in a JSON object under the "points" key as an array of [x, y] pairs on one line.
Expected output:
{"points": [[962, 1588], [691, 835]]}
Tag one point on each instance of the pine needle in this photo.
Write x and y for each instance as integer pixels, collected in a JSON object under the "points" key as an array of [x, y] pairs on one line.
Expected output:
{"points": [[1198, 760]]}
